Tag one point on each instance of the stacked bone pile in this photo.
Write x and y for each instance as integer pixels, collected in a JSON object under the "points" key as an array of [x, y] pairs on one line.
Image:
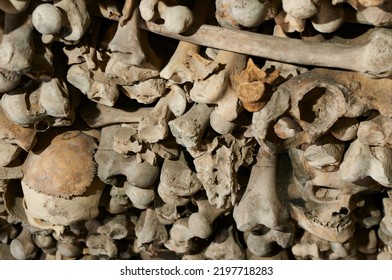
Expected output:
{"points": [[242, 130]]}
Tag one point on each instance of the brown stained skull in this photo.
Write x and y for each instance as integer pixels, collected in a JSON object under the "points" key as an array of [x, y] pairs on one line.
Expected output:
{"points": [[324, 204]]}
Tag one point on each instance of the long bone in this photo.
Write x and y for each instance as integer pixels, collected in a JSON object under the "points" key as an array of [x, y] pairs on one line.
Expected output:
{"points": [[371, 56]]}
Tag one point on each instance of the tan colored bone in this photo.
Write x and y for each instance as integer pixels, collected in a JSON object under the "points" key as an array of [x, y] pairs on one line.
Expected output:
{"points": [[373, 51], [146, 92], [286, 127], [98, 115], [326, 157], [261, 206], [376, 132], [253, 86], [140, 198], [115, 228], [101, 245], [22, 247], [227, 237], [345, 129], [189, 128], [328, 18], [301, 9]]}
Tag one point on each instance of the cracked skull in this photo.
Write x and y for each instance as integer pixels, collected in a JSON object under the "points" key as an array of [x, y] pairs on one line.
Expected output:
{"points": [[322, 203]]}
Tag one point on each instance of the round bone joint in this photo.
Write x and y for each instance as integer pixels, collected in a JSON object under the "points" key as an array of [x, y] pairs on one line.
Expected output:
{"points": [[47, 19]]}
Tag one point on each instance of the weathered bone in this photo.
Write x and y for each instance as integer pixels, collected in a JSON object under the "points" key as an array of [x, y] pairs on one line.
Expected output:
{"points": [[301, 9], [345, 129], [98, 115], [369, 57], [140, 198], [329, 17], [22, 247], [14, 6], [376, 132], [101, 245], [261, 205]]}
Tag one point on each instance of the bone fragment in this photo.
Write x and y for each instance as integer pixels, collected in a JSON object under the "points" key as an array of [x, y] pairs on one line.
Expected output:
{"points": [[328, 18], [98, 115], [22, 247], [345, 129], [376, 132]]}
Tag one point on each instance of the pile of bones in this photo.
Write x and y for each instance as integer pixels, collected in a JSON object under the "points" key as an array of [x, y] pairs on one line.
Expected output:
{"points": [[169, 129]]}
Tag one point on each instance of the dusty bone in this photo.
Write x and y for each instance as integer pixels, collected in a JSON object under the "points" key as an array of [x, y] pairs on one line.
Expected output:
{"points": [[154, 125], [376, 132], [132, 59], [184, 184], [288, 23], [98, 115], [188, 129], [111, 164], [177, 19], [119, 201], [22, 247], [328, 18], [201, 222], [310, 247], [93, 83], [262, 242], [261, 205], [180, 236], [65, 21], [8, 173], [301, 9], [345, 129], [39, 101], [167, 213], [361, 160], [12, 133], [16, 45], [217, 168], [248, 14], [146, 92], [286, 127], [218, 89], [377, 15], [105, 8], [149, 229], [326, 157], [115, 228], [372, 53], [227, 237], [14, 6], [101, 245], [252, 86], [140, 198], [68, 193]]}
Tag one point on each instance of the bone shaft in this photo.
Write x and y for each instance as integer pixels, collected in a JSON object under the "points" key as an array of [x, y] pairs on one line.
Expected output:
{"points": [[274, 48]]}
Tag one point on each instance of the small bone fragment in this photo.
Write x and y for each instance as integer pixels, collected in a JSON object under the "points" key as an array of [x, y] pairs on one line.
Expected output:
{"points": [[261, 205], [310, 247], [188, 129], [252, 86], [178, 101], [167, 213], [326, 157], [288, 24], [286, 127], [180, 237], [8, 173], [8, 152], [22, 247], [368, 57], [361, 160], [154, 125], [376, 15], [93, 83], [115, 228], [146, 92], [98, 115], [101, 245], [225, 246], [201, 222], [12, 133], [111, 164], [184, 184], [345, 129], [328, 18], [148, 229], [376, 132]]}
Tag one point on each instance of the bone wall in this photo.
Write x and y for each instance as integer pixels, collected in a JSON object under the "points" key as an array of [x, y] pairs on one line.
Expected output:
{"points": [[157, 129]]}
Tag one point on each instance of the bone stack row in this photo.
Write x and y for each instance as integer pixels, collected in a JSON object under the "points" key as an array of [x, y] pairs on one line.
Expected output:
{"points": [[259, 130]]}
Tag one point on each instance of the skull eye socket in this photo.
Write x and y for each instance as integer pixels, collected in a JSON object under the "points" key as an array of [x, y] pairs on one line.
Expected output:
{"points": [[323, 193]]}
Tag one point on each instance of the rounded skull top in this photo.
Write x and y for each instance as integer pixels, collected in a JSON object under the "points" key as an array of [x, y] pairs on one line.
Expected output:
{"points": [[65, 168]]}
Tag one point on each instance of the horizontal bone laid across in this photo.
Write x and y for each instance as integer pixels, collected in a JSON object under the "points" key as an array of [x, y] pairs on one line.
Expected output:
{"points": [[372, 56]]}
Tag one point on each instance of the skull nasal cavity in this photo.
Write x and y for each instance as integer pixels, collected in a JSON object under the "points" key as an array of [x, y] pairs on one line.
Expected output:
{"points": [[343, 211]]}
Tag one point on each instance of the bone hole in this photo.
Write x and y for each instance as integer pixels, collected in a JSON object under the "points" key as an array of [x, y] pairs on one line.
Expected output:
{"points": [[343, 211], [308, 102]]}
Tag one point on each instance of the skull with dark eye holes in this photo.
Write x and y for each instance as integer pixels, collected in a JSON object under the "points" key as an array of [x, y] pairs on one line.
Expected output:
{"points": [[322, 203]]}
